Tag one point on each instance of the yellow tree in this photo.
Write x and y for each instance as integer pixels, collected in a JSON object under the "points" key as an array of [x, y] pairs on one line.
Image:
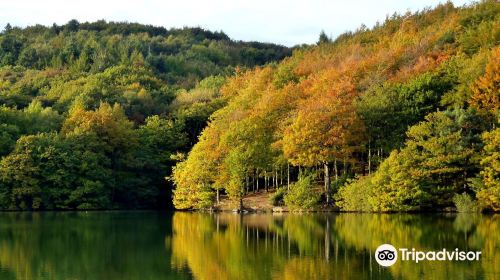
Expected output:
{"points": [[108, 123], [227, 147], [486, 89], [197, 176], [325, 127]]}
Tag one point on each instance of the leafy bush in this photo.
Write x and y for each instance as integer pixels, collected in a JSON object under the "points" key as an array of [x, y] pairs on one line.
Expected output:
{"points": [[301, 196], [276, 198], [465, 203], [354, 195]]}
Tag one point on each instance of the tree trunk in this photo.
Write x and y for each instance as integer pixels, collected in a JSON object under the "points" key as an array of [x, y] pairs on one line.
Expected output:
{"points": [[253, 182], [247, 183], [218, 196], [288, 176], [336, 169], [266, 182], [269, 178], [327, 183], [276, 177], [257, 173], [281, 176], [369, 158]]}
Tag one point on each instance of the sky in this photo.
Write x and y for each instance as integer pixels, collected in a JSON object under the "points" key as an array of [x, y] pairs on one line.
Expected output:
{"points": [[276, 21]]}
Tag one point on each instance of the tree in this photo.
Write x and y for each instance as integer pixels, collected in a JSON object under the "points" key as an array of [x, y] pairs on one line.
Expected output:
{"points": [[19, 178], [10, 47], [488, 189], [7, 28], [300, 196], [110, 134], [436, 162], [58, 173], [150, 163], [326, 129], [193, 108], [72, 25], [486, 89], [389, 110], [323, 38], [196, 178]]}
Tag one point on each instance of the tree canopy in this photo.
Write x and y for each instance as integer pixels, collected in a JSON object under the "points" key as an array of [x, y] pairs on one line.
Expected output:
{"points": [[397, 111], [91, 114]]}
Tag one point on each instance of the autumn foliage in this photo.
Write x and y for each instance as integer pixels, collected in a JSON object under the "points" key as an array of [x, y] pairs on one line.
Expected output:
{"points": [[394, 111]]}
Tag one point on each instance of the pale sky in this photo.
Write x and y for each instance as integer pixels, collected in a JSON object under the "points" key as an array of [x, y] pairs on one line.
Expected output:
{"points": [[277, 21]]}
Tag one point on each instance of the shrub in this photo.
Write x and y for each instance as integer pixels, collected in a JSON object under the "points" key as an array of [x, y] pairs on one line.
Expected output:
{"points": [[276, 198], [354, 195], [465, 203], [301, 196]]}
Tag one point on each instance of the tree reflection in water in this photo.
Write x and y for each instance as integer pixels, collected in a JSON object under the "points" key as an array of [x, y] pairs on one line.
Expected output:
{"points": [[181, 245], [256, 246]]}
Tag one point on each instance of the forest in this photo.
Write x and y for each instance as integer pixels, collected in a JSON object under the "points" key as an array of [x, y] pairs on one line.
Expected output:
{"points": [[93, 114], [403, 116]]}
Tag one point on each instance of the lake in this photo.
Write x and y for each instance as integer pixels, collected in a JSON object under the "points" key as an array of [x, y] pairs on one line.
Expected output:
{"points": [[179, 245]]}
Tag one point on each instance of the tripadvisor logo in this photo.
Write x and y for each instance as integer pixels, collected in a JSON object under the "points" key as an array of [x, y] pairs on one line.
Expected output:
{"points": [[387, 255]]}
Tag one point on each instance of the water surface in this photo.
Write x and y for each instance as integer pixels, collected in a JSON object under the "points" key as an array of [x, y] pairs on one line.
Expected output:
{"points": [[164, 245]]}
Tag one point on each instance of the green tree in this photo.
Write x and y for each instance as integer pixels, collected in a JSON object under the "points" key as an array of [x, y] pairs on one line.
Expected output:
{"points": [[488, 189], [323, 38], [19, 177], [300, 196], [438, 159]]}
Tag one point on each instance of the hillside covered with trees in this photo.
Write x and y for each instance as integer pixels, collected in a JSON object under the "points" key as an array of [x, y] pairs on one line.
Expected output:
{"points": [[400, 117], [91, 113]]}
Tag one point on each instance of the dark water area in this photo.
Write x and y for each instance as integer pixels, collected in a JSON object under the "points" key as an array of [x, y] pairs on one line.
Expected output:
{"points": [[179, 245]]}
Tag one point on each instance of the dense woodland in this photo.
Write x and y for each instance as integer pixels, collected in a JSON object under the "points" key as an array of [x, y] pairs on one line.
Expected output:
{"points": [[91, 113], [403, 116], [400, 117]]}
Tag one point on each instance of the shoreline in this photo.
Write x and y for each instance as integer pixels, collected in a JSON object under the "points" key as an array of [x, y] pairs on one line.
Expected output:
{"points": [[248, 211]]}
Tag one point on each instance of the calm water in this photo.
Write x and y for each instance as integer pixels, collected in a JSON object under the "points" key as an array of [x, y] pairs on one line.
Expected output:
{"points": [[160, 245]]}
